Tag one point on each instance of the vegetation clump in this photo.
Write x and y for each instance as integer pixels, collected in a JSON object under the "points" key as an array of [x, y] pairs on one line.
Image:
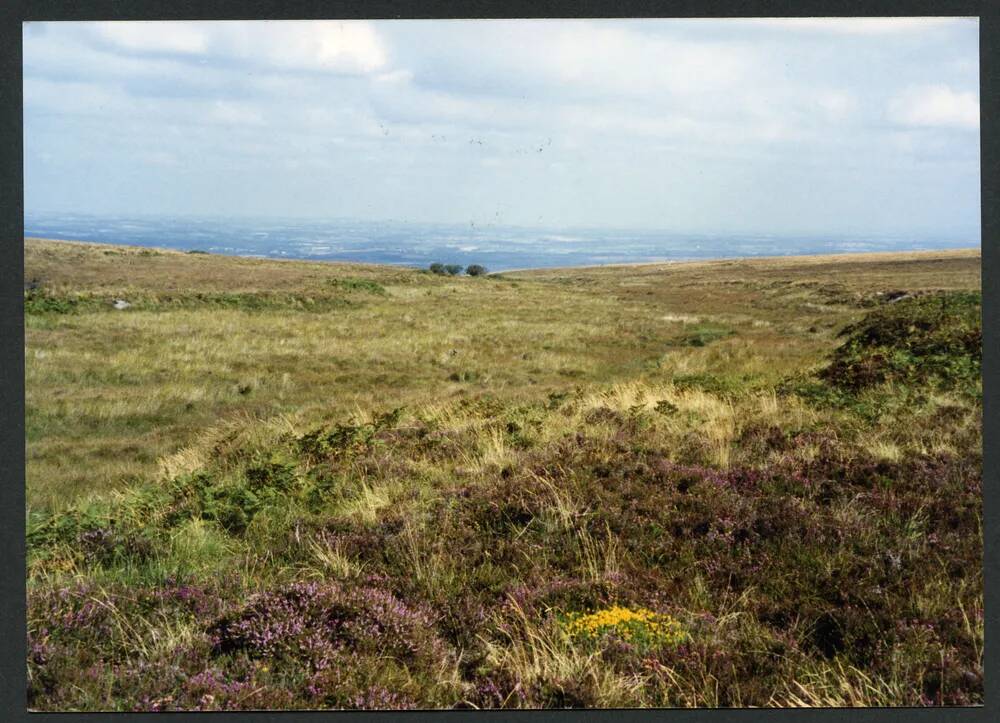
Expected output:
{"points": [[366, 285], [445, 269], [704, 334], [317, 623], [38, 301], [345, 439], [643, 629], [928, 340]]}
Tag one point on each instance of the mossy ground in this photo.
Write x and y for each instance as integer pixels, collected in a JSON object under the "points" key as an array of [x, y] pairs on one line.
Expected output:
{"points": [[301, 485]]}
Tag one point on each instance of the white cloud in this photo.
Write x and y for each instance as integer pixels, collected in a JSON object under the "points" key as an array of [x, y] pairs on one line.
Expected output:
{"points": [[616, 59], [838, 104], [412, 106], [146, 36], [342, 46], [159, 158], [935, 105], [332, 45], [235, 113], [59, 53], [70, 97], [582, 59], [861, 26]]}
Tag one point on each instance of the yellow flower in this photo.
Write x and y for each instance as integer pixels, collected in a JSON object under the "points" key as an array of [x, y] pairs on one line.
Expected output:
{"points": [[642, 627]]}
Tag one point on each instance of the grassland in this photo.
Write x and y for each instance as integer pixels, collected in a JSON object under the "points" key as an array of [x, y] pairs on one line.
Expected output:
{"points": [[271, 484]]}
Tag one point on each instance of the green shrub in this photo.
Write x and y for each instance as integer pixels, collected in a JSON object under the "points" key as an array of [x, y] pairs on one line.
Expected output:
{"points": [[275, 474], [932, 340], [233, 508], [475, 270], [243, 301], [704, 334], [365, 285], [37, 301], [345, 439]]}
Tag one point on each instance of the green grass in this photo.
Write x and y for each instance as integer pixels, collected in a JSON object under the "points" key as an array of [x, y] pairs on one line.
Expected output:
{"points": [[704, 334], [251, 488], [366, 285]]}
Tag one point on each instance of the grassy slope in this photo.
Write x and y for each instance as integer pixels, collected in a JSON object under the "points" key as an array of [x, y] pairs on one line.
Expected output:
{"points": [[589, 436]]}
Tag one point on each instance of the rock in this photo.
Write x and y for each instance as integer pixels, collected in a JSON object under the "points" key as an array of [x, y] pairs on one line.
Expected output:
{"points": [[894, 296], [121, 304]]}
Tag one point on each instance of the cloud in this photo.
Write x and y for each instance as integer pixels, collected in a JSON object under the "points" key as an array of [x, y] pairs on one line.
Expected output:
{"points": [[147, 36], [70, 97], [235, 114], [861, 25], [838, 104], [935, 106], [573, 59], [618, 60], [159, 158], [322, 45], [561, 119], [340, 46]]}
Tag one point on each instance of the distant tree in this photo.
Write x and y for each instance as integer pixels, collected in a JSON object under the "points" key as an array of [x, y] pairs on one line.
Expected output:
{"points": [[475, 270], [453, 269], [437, 268]]}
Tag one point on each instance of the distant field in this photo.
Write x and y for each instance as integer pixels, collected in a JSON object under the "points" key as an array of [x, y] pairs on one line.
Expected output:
{"points": [[464, 468], [213, 338]]}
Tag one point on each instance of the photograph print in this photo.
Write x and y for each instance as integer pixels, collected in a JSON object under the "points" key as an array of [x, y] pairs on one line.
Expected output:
{"points": [[503, 364]]}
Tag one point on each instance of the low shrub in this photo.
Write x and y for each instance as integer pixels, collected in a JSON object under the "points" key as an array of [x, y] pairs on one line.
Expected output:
{"points": [[365, 285], [704, 334], [933, 340], [641, 629], [37, 301], [345, 439], [806, 550]]}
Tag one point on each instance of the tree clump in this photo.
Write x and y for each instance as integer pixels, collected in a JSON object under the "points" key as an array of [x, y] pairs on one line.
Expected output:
{"points": [[455, 269]]}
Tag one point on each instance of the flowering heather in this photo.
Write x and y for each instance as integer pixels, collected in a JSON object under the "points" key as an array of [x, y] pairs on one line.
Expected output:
{"points": [[380, 698], [316, 623]]}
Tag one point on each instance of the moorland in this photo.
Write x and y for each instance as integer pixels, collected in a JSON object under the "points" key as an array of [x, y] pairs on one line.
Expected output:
{"points": [[289, 484]]}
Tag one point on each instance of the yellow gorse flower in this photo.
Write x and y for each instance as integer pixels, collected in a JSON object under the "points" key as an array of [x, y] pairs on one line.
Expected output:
{"points": [[645, 628]]}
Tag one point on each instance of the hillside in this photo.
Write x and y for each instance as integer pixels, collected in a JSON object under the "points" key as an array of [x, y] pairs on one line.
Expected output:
{"points": [[273, 484]]}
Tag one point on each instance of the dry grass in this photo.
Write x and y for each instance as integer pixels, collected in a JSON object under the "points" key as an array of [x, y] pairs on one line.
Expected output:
{"points": [[113, 395], [541, 655]]}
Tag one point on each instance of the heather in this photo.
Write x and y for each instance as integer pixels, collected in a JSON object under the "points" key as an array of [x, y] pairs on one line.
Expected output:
{"points": [[699, 501]]}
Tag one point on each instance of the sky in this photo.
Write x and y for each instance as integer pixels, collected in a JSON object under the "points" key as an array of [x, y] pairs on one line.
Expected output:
{"points": [[782, 126]]}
